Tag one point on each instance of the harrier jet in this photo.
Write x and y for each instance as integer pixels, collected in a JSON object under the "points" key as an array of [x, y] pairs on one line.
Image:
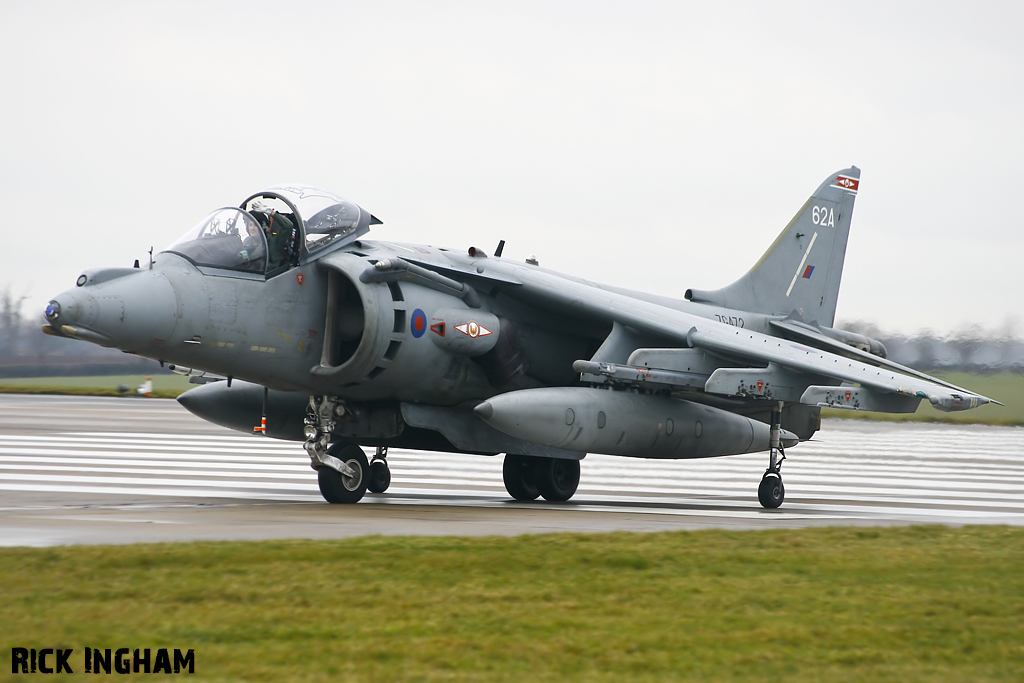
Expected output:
{"points": [[296, 324]]}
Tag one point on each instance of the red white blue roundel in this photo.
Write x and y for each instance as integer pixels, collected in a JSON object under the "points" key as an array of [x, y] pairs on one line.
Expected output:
{"points": [[419, 323]]}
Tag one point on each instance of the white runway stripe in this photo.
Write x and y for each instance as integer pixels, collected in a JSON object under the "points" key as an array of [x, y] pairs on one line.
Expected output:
{"points": [[853, 471]]}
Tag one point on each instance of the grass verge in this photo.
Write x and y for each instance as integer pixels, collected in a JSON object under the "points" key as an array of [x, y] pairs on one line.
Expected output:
{"points": [[164, 386], [845, 604]]}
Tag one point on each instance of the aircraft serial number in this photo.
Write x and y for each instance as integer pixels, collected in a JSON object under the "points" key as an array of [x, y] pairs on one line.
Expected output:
{"points": [[730, 320], [824, 216]]}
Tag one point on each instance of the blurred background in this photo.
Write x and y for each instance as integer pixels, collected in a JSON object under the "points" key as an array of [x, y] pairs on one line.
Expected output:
{"points": [[651, 145]]}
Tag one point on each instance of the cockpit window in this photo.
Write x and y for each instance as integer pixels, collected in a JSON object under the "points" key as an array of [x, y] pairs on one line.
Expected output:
{"points": [[227, 238], [267, 233], [281, 228], [329, 219], [332, 223]]}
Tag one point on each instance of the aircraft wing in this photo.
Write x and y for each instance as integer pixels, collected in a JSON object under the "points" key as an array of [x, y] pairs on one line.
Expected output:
{"points": [[887, 388], [818, 339], [806, 359]]}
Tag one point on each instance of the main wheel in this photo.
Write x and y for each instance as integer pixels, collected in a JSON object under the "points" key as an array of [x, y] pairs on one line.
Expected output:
{"points": [[519, 473], [771, 492], [557, 479], [336, 487], [380, 477]]}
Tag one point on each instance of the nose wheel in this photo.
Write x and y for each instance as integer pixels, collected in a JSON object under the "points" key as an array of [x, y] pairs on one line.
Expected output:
{"points": [[344, 485], [341, 470], [771, 492]]}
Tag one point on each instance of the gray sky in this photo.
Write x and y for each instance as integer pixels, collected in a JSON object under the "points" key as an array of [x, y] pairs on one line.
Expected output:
{"points": [[653, 145]]}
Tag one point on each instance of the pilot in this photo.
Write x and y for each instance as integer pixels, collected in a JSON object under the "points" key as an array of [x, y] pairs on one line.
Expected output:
{"points": [[281, 233], [253, 252]]}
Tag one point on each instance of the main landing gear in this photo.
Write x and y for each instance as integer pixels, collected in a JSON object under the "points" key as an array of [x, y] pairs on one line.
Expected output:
{"points": [[771, 491], [527, 477]]}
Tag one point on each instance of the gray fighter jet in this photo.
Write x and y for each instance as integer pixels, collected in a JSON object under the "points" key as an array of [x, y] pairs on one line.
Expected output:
{"points": [[298, 326]]}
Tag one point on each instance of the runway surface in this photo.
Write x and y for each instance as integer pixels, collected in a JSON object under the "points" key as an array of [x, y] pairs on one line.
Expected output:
{"points": [[107, 470]]}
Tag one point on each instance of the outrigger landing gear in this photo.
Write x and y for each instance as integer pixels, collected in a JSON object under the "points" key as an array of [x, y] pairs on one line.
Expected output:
{"points": [[380, 473], [342, 470], [771, 491]]}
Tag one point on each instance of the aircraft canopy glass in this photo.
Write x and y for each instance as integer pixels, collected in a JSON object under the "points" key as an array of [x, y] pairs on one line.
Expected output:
{"points": [[274, 230], [328, 219], [227, 238]]}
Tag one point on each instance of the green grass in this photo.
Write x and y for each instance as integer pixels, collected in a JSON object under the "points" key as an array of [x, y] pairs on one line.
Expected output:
{"points": [[1005, 387], [164, 386], [851, 604]]}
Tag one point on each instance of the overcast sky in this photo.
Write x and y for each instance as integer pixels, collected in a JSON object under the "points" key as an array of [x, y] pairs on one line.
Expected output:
{"points": [[653, 145]]}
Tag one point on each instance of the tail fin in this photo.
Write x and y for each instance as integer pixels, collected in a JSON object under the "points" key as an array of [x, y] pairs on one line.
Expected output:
{"points": [[801, 271]]}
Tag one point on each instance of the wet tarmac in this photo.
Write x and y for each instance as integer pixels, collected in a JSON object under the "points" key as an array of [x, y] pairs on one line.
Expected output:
{"points": [[112, 470]]}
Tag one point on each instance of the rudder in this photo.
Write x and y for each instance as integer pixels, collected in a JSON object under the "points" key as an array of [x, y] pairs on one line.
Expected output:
{"points": [[801, 271]]}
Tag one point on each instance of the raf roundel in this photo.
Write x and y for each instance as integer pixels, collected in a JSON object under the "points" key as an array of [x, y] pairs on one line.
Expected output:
{"points": [[419, 323]]}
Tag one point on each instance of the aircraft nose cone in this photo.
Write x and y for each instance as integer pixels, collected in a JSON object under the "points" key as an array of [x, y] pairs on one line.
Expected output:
{"points": [[74, 314], [129, 312]]}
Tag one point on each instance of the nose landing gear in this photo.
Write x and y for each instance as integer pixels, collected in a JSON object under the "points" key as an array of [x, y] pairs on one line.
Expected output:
{"points": [[342, 471]]}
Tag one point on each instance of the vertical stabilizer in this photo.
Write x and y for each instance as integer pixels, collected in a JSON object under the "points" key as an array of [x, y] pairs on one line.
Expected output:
{"points": [[801, 271]]}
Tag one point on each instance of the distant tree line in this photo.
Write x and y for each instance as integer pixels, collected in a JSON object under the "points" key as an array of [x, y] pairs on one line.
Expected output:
{"points": [[970, 348]]}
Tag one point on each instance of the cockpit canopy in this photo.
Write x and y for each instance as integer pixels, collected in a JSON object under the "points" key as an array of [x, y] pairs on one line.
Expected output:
{"points": [[268, 234]]}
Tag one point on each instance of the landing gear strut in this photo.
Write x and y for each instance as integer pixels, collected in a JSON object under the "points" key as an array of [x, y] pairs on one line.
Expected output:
{"points": [[342, 470], [771, 491], [380, 473]]}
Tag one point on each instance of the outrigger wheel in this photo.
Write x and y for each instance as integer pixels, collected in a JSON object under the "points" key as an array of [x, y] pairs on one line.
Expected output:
{"points": [[771, 492], [336, 487]]}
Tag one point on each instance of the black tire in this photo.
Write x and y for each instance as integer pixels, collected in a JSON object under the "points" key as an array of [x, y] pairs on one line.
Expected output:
{"points": [[337, 488], [557, 479], [771, 492], [519, 473], [380, 477]]}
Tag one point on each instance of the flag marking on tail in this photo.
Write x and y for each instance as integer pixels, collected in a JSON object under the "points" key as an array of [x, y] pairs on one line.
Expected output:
{"points": [[847, 183], [803, 262], [807, 273]]}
